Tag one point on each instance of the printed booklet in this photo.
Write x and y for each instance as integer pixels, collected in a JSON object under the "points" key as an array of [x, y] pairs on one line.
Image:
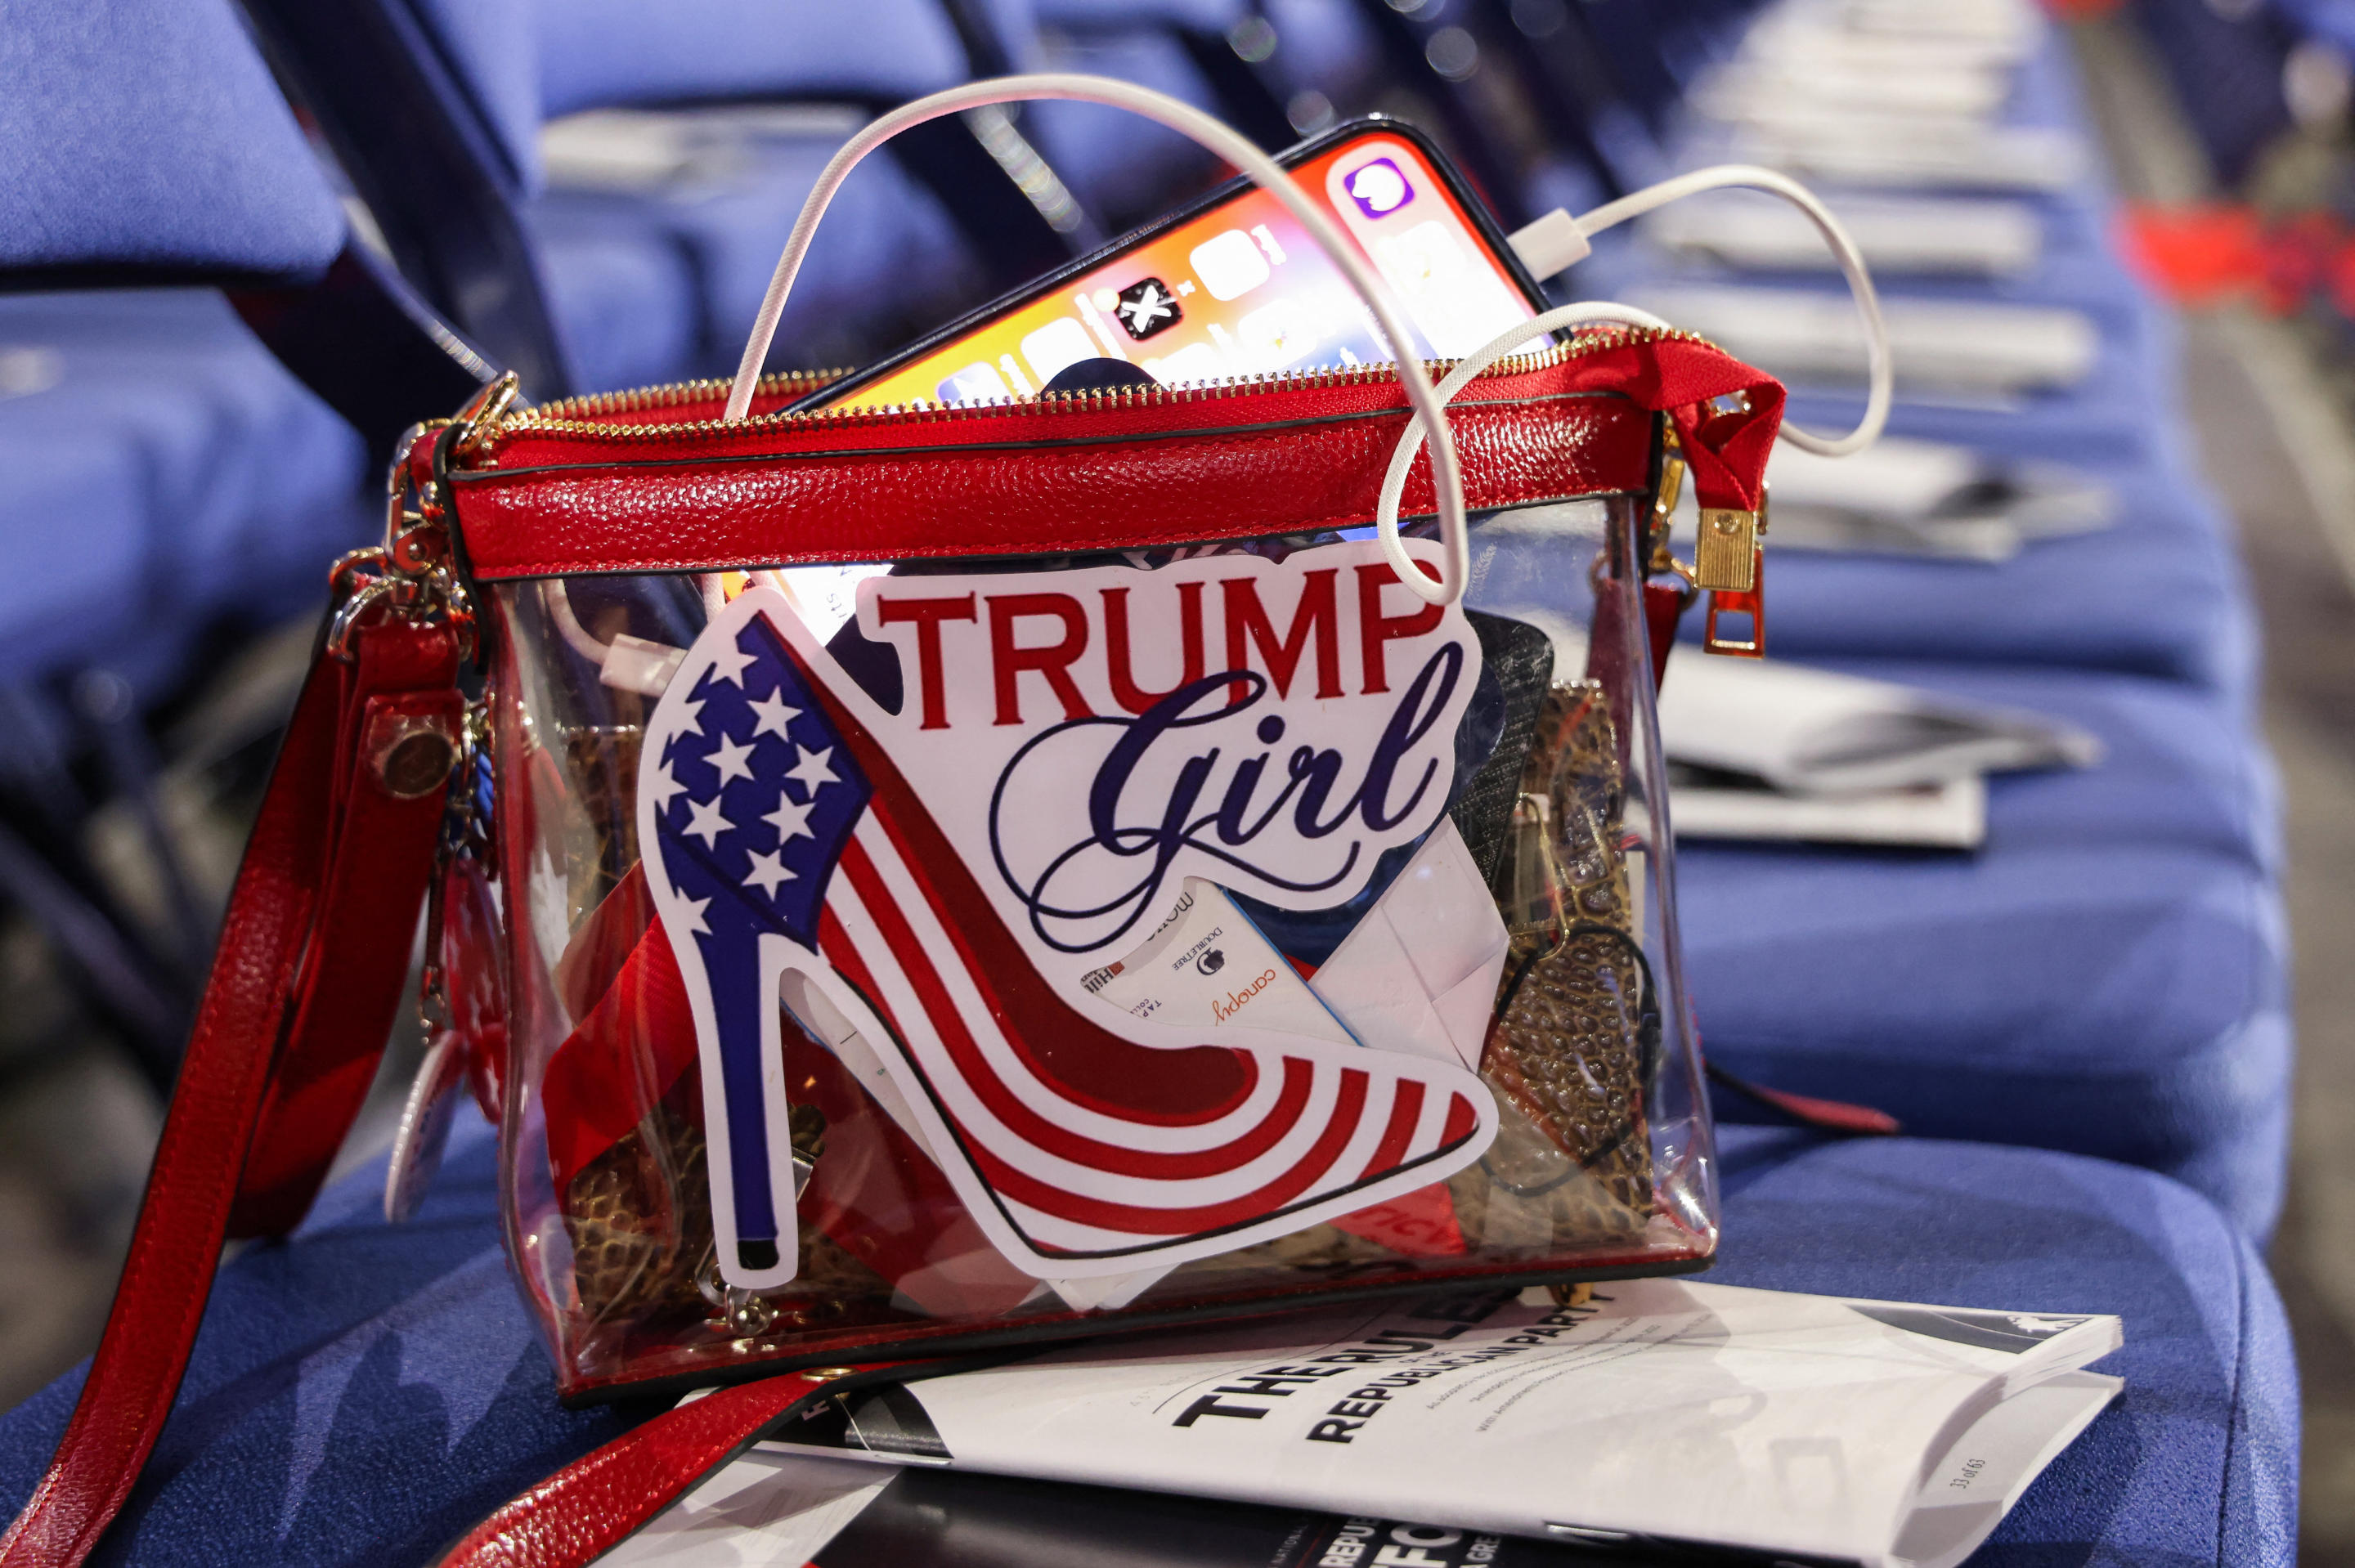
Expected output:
{"points": [[1657, 1419]]}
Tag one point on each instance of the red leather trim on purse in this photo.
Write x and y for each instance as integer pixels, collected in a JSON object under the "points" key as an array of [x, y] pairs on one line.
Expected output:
{"points": [[1121, 473], [357, 962], [323, 910], [588, 1508]]}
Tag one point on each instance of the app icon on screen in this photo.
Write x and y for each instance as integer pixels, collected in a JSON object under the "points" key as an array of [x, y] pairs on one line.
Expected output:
{"points": [[1060, 342], [1230, 265], [1147, 306], [1276, 335], [1380, 189], [975, 383], [1423, 258]]}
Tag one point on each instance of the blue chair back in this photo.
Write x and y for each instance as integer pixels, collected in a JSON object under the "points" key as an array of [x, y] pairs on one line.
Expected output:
{"points": [[146, 143], [435, 107], [515, 64]]}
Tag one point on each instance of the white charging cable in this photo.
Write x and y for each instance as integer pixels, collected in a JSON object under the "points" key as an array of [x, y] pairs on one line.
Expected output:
{"points": [[1429, 403], [1586, 312], [1446, 474], [1557, 241]]}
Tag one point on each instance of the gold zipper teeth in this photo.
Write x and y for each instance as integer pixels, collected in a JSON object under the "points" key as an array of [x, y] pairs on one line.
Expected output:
{"points": [[567, 413], [564, 416]]}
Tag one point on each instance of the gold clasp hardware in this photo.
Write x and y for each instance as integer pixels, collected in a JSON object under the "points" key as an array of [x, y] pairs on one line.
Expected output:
{"points": [[484, 410], [1730, 559], [1664, 500], [411, 571], [463, 836], [367, 579], [1746, 597]]}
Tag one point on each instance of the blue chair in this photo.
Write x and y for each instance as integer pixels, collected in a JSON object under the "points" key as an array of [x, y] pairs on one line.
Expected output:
{"points": [[363, 1394], [2159, 592], [2105, 976], [2198, 1459], [436, 109], [1219, 55], [166, 478]]}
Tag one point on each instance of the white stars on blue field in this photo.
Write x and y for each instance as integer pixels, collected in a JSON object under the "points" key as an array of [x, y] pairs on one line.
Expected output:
{"points": [[755, 794]]}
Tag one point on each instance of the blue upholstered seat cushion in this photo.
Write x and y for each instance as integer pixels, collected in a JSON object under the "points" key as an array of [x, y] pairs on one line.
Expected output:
{"points": [[362, 1394], [161, 472], [2105, 976], [2159, 592], [2197, 1462], [654, 280], [145, 136], [594, 53], [2180, 766], [623, 297]]}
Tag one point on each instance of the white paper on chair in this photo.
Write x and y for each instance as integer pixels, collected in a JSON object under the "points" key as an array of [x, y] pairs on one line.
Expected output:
{"points": [[1950, 816], [1763, 749], [1897, 235], [1968, 346], [1832, 1430], [1820, 732], [1901, 152], [1924, 498]]}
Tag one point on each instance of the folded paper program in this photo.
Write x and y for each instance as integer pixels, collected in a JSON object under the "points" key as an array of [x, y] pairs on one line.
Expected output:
{"points": [[1813, 731], [1938, 346], [1703, 1417], [1926, 498]]}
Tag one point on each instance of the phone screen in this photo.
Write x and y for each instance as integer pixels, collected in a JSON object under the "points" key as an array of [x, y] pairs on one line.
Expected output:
{"points": [[1242, 290]]}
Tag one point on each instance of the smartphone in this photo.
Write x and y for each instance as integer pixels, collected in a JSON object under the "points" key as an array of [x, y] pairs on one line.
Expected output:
{"points": [[1234, 286]]}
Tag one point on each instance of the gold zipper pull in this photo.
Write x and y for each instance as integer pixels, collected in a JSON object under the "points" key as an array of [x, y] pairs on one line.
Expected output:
{"points": [[1731, 562], [484, 410], [1725, 559]]}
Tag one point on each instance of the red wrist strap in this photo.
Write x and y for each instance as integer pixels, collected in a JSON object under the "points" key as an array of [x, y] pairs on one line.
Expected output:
{"points": [[313, 954], [592, 1505]]}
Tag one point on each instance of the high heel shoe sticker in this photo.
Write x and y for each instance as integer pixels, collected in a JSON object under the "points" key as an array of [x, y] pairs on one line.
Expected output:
{"points": [[944, 876]]}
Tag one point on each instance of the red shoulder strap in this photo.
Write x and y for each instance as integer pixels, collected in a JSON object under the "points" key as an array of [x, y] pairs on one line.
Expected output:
{"points": [[313, 954], [592, 1505]]}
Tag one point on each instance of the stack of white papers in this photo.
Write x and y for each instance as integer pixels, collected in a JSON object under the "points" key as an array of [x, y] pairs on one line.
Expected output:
{"points": [[1938, 346], [1923, 498], [1901, 152], [1898, 235], [1659, 1412], [1760, 750], [677, 152], [1892, 93]]}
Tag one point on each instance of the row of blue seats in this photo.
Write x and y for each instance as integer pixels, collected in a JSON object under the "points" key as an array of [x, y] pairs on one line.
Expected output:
{"points": [[363, 1395], [2108, 975], [2083, 1025]]}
